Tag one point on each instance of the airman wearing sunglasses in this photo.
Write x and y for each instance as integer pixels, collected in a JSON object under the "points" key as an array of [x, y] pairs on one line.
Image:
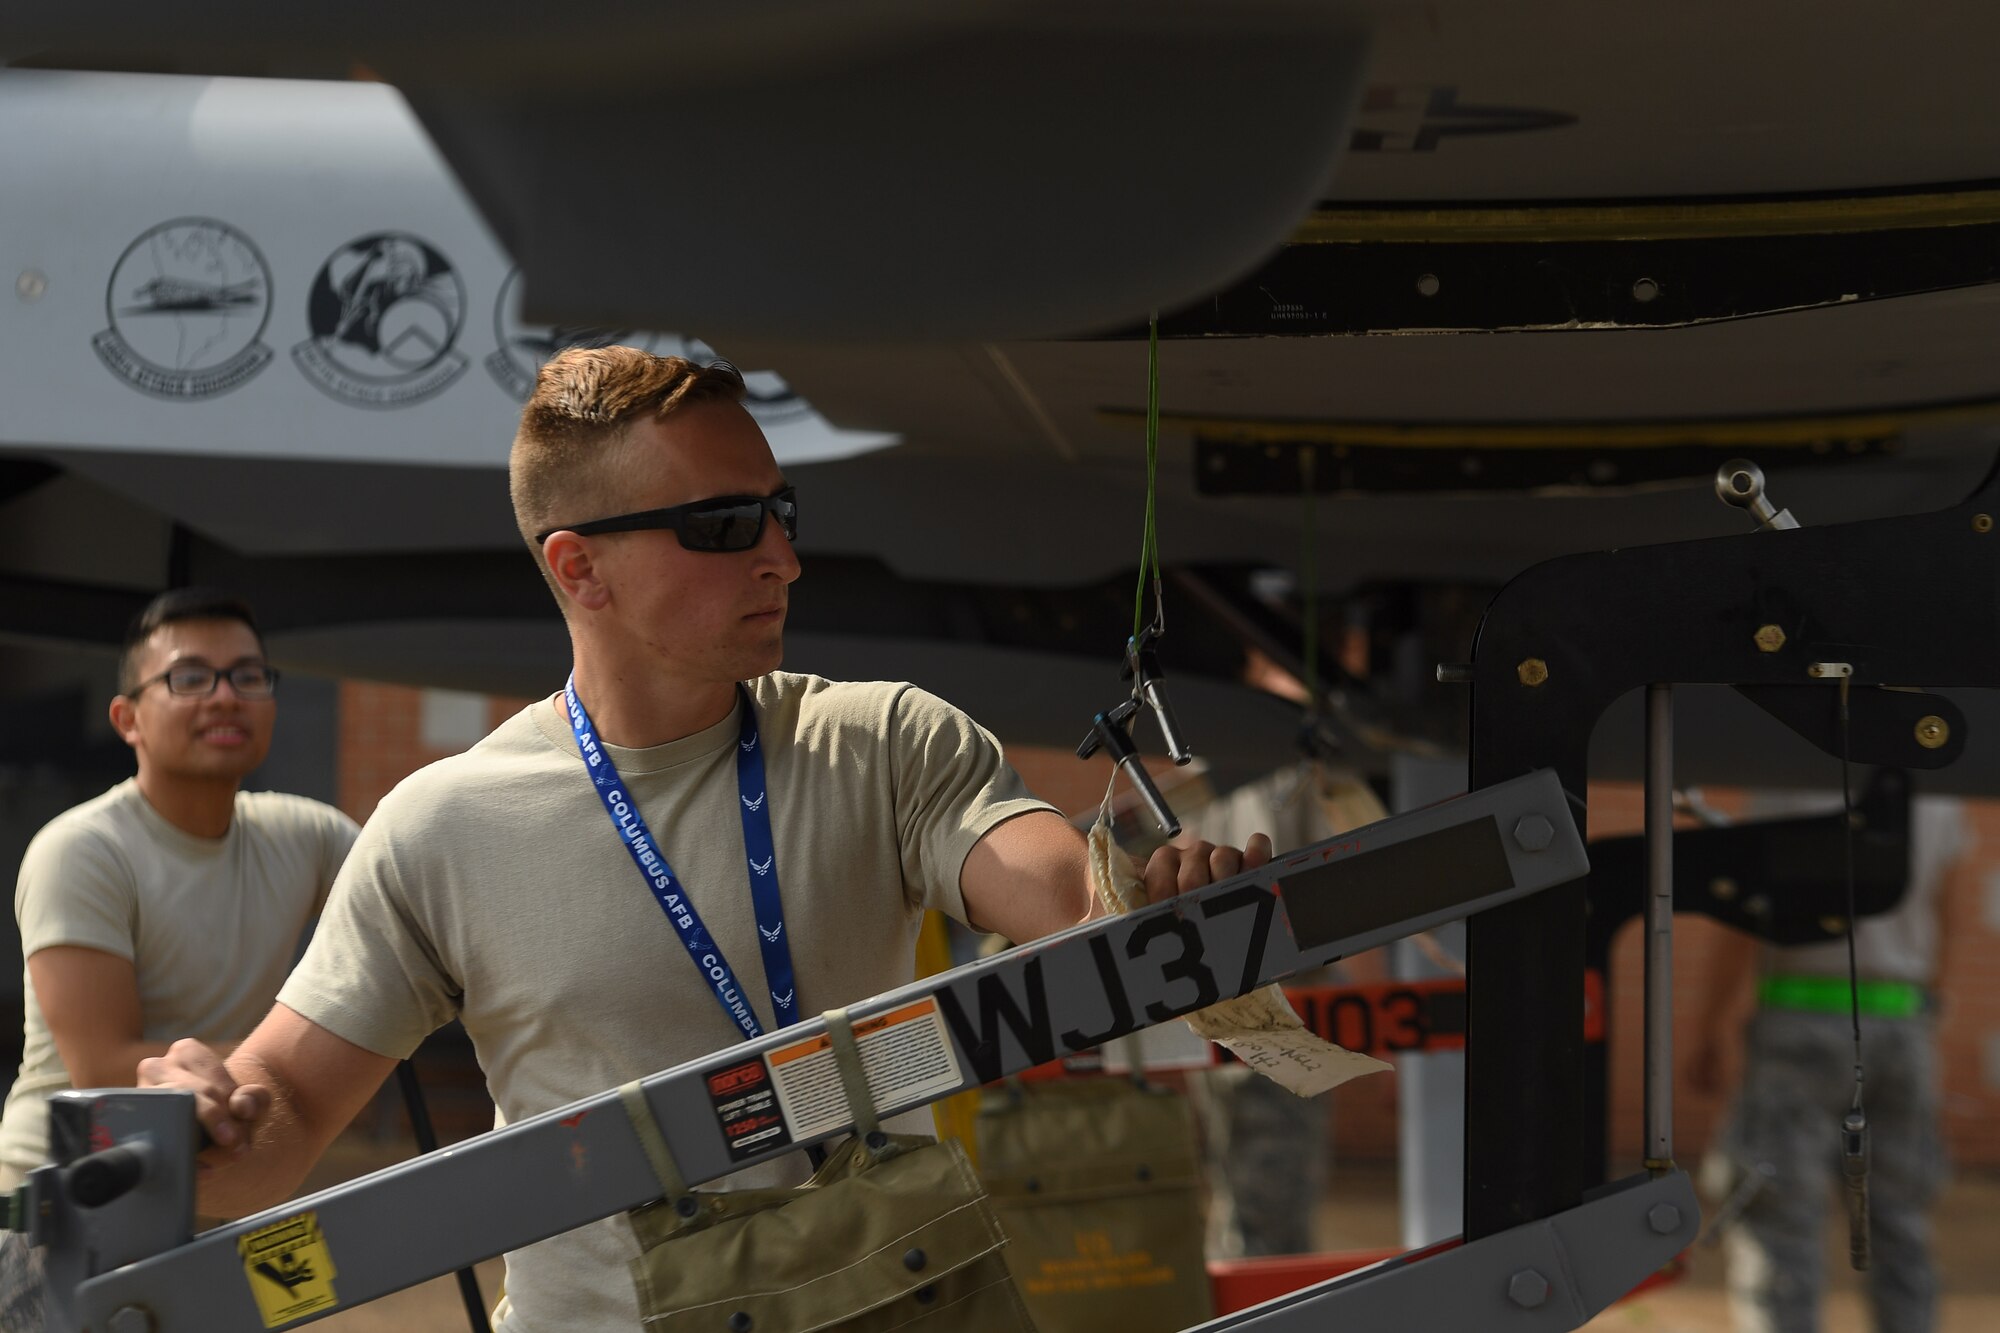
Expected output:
{"points": [[173, 903], [594, 890]]}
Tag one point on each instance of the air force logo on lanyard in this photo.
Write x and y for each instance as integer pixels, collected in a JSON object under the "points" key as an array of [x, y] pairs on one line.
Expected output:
{"points": [[659, 876]]}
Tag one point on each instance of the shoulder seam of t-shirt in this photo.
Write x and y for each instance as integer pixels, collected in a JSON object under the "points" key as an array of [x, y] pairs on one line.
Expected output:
{"points": [[316, 1007], [79, 822]]}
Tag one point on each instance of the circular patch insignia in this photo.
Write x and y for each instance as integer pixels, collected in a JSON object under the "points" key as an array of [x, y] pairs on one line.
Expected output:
{"points": [[526, 348], [187, 304], [770, 400], [385, 313]]}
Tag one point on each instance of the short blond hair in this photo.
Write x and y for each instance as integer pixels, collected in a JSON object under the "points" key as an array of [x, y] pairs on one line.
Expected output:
{"points": [[563, 466]]}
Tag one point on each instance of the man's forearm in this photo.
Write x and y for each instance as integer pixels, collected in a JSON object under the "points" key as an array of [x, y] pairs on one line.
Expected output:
{"points": [[119, 1067], [266, 1171]]}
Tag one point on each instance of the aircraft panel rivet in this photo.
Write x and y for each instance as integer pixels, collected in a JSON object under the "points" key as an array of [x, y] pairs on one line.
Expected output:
{"points": [[1664, 1219], [1932, 731], [1534, 833], [1770, 638], [1982, 522], [30, 285], [1528, 1289], [1532, 672], [1427, 284]]}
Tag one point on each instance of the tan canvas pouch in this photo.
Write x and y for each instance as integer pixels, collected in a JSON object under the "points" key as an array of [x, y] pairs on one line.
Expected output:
{"points": [[1097, 1183], [893, 1232]]}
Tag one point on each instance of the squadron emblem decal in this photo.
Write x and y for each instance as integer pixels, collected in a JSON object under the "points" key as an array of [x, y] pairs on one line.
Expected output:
{"points": [[384, 312], [187, 303], [525, 347], [771, 401]]}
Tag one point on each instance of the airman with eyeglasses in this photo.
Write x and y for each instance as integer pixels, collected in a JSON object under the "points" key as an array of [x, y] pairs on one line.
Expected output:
{"points": [[192, 678], [172, 903]]}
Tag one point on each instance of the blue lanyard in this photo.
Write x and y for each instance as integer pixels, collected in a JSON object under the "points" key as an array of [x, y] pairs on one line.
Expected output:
{"points": [[758, 848]]}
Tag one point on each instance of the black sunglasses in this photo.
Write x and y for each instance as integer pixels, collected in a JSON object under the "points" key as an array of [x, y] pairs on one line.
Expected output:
{"points": [[726, 523]]}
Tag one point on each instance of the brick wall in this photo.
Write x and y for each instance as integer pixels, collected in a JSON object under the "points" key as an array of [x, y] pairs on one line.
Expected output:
{"points": [[1969, 1037], [382, 739]]}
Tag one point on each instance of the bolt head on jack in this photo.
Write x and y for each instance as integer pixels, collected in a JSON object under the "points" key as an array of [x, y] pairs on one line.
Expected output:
{"points": [[1664, 1219], [1533, 671], [130, 1319], [1534, 833], [1528, 1289], [1770, 638]]}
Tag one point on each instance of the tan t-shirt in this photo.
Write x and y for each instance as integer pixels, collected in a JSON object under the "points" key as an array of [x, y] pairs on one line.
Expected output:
{"points": [[491, 887], [210, 925]]}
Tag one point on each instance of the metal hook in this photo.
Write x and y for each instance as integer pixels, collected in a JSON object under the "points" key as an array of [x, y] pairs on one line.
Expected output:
{"points": [[1108, 733], [1854, 1175], [1740, 482], [1142, 668]]}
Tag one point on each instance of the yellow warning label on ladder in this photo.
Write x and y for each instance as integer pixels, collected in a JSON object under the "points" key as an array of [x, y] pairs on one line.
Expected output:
{"points": [[289, 1269]]}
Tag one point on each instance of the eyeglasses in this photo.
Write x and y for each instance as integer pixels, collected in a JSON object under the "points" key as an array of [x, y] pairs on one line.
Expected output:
{"points": [[196, 680], [726, 523]]}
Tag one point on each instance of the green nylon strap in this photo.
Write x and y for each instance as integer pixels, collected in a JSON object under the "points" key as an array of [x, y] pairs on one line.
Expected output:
{"points": [[640, 1112], [1309, 581], [1149, 548], [1829, 995], [847, 1056]]}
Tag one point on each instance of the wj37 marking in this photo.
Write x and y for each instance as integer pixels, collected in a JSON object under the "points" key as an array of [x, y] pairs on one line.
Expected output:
{"points": [[1174, 977]]}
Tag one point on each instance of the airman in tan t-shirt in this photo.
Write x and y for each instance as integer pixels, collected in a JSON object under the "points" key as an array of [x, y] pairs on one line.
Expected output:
{"points": [[494, 886]]}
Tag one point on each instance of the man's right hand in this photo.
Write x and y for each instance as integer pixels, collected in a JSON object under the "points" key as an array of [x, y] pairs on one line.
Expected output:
{"points": [[290, 1087], [228, 1110]]}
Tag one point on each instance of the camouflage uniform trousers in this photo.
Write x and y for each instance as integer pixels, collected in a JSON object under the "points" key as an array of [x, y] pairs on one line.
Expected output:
{"points": [[22, 1303], [1268, 1156], [1798, 1081]]}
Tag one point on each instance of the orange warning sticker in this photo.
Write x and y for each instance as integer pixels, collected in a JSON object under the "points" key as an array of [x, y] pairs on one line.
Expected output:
{"points": [[906, 1055]]}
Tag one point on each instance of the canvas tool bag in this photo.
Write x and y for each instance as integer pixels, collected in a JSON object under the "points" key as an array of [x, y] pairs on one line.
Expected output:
{"points": [[1097, 1183], [893, 1232]]}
